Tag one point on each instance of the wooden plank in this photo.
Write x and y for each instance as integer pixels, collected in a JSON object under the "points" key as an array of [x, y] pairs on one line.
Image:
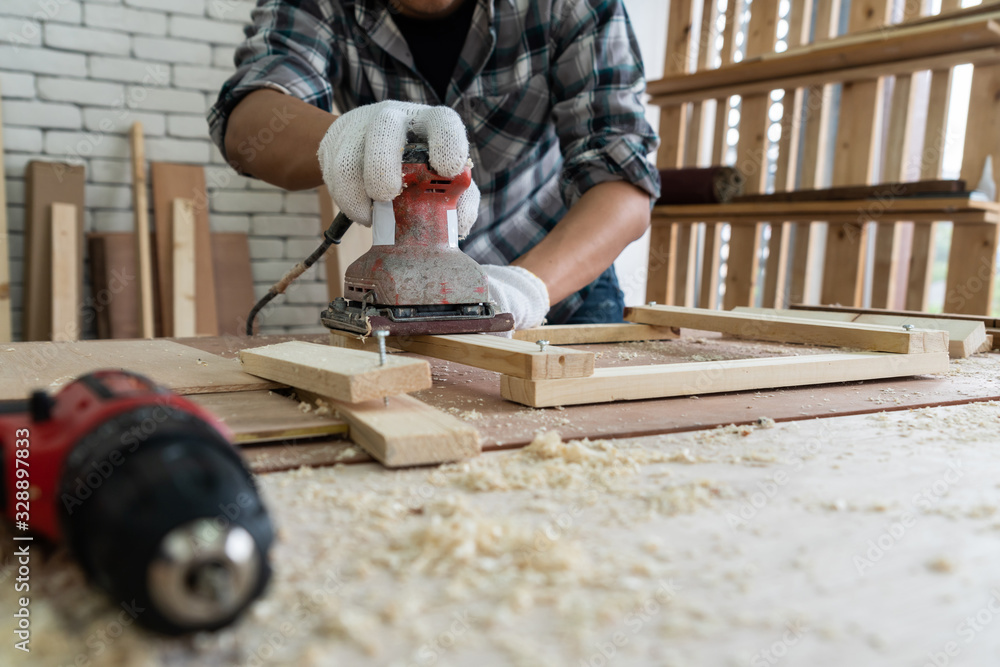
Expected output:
{"points": [[66, 280], [792, 330], [988, 321], [863, 208], [960, 218], [355, 243], [898, 150], [937, 188], [743, 263], [183, 181], [143, 249], [859, 125], [25, 367], [872, 48], [582, 334], [6, 332], [965, 337], [632, 383], [345, 375], [710, 264], [970, 285], [234, 295], [407, 432], [183, 268], [265, 416], [46, 183], [492, 353], [114, 292], [719, 145], [659, 272], [988, 55]]}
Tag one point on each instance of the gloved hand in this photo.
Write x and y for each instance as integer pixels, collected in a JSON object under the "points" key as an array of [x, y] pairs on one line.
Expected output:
{"points": [[361, 156], [519, 292]]}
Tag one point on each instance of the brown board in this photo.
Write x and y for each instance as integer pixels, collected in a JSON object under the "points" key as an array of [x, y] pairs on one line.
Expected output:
{"points": [[46, 183], [183, 181], [234, 295], [25, 367], [114, 299]]}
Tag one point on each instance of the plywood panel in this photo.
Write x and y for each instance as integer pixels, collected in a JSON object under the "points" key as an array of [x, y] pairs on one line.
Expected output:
{"points": [[114, 288], [46, 183]]}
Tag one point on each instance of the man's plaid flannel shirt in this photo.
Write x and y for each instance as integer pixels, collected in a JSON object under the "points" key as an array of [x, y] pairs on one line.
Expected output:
{"points": [[550, 91]]}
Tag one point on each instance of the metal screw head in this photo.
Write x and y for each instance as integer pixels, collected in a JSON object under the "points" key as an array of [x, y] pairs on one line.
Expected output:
{"points": [[908, 327], [381, 334], [651, 303], [542, 344]]}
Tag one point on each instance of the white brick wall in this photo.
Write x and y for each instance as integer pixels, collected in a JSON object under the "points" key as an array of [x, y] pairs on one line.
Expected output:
{"points": [[74, 77]]}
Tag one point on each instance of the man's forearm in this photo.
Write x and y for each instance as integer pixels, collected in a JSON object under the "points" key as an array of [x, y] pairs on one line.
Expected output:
{"points": [[274, 137], [603, 222]]}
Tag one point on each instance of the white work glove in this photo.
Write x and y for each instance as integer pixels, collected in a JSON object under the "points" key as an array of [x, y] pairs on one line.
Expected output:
{"points": [[519, 292], [361, 156]]}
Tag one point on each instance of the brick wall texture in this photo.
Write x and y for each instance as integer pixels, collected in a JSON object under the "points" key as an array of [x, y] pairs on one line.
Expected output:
{"points": [[75, 76]]}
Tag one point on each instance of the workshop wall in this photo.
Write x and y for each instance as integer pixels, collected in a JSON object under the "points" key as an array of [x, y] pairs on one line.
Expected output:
{"points": [[69, 67]]}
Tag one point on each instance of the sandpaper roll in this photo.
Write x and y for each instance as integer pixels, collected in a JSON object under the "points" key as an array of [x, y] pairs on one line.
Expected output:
{"points": [[699, 185]]}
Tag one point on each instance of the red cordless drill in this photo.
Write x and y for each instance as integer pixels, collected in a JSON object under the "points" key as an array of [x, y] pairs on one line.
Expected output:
{"points": [[148, 493]]}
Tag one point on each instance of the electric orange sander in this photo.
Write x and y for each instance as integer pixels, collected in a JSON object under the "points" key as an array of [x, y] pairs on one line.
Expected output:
{"points": [[414, 279]]}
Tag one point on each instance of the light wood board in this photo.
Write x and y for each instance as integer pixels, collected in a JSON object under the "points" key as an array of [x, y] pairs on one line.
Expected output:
{"points": [[406, 432], [691, 379], [965, 337], [183, 181], [25, 367], [793, 330], [265, 416], [347, 375], [185, 287], [503, 355], [66, 279], [582, 334], [46, 183], [143, 247]]}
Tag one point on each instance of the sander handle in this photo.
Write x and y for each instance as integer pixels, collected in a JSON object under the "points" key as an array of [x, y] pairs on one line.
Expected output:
{"points": [[333, 235]]}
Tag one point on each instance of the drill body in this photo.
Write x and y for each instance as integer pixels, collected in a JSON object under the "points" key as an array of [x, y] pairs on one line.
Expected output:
{"points": [[135, 479]]}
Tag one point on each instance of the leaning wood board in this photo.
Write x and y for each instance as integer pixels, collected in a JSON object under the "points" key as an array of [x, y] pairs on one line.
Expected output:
{"points": [[503, 355], [691, 379], [25, 367], [347, 375], [965, 337], [406, 432], [793, 330], [5, 323], [114, 287], [264, 416], [46, 183], [234, 295], [183, 181], [66, 278]]}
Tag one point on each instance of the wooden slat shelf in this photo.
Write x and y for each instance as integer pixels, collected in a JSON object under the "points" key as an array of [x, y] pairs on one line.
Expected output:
{"points": [[916, 209], [876, 50]]}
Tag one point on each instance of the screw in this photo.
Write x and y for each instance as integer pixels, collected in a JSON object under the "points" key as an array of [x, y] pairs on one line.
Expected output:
{"points": [[651, 304], [908, 327], [381, 335], [542, 344]]}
